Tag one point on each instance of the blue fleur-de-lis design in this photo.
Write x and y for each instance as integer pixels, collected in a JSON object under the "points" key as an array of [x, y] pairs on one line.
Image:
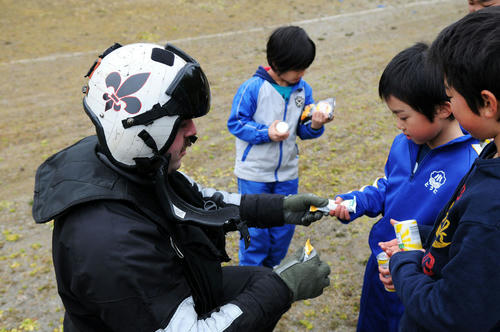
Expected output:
{"points": [[121, 98]]}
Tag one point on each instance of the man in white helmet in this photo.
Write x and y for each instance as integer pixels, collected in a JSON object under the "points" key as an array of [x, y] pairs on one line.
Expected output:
{"points": [[138, 245]]}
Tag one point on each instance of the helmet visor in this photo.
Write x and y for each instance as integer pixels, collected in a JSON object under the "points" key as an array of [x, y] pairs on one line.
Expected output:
{"points": [[190, 88], [190, 91]]}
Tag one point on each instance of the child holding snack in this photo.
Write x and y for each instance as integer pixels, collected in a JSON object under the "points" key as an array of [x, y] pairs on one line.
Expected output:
{"points": [[425, 163], [454, 285], [266, 153]]}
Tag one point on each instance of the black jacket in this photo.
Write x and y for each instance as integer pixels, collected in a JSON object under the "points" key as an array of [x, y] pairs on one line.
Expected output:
{"points": [[115, 265]]}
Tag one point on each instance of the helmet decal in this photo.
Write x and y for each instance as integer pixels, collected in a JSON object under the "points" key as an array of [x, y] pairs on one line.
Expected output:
{"points": [[121, 95]]}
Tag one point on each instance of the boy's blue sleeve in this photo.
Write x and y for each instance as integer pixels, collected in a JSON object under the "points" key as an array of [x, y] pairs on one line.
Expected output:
{"points": [[305, 131], [240, 122], [467, 293], [370, 200]]}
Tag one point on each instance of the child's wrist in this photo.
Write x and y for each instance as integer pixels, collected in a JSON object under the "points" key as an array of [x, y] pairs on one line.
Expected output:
{"points": [[313, 126]]}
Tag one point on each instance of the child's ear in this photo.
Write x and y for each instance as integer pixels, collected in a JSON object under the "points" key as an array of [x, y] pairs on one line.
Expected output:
{"points": [[443, 111], [490, 108]]}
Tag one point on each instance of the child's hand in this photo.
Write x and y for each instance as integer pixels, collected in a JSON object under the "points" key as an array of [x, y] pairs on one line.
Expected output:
{"points": [[274, 134], [390, 247], [319, 119], [385, 277], [340, 211]]}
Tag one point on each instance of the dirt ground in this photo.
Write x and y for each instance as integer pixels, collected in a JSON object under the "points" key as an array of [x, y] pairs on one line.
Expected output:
{"points": [[47, 47]]}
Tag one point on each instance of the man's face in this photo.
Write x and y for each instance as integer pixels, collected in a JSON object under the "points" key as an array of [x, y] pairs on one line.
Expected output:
{"points": [[475, 5], [178, 148]]}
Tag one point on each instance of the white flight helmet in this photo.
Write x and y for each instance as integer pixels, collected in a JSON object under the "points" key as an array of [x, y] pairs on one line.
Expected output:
{"points": [[138, 94]]}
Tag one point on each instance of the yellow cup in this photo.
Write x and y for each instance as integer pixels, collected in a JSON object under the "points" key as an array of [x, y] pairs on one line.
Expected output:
{"points": [[383, 261]]}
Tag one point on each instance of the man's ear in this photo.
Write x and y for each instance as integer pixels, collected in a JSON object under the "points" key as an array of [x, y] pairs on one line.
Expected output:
{"points": [[490, 108], [443, 111]]}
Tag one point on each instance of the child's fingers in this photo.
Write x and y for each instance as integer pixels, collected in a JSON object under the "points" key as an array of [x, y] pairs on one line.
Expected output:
{"points": [[341, 212]]}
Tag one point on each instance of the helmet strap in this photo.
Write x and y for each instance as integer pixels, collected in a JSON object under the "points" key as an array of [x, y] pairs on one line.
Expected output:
{"points": [[148, 140]]}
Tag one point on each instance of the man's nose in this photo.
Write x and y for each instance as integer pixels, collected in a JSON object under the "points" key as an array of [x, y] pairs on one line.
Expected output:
{"points": [[190, 128]]}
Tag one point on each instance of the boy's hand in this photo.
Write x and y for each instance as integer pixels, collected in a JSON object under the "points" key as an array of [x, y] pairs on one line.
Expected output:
{"points": [[385, 277], [341, 211], [319, 119], [274, 134], [390, 247]]}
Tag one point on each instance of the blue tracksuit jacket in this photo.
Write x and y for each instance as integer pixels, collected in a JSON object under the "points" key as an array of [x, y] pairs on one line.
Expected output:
{"points": [[402, 195], [255, 106]]}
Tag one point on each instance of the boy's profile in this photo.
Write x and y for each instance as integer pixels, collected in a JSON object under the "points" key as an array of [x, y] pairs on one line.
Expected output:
{"points": [[425, 163], [454, 285], [475, 5], [266, 158]]}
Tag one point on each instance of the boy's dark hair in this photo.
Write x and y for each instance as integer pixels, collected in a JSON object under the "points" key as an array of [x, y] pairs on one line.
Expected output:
{"points": [[468, 53], [290, 48], [410, 78]]}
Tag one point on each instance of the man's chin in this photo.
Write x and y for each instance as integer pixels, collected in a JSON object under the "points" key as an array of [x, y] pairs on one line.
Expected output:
{"points": [[174, 167]]}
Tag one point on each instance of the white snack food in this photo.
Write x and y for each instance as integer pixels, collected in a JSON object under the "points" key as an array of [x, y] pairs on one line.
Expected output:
{"points": [[282, 127]]}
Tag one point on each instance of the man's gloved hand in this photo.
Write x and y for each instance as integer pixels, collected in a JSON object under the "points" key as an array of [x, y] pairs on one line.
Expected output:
{"points": [[296, 209], [306, 279]]}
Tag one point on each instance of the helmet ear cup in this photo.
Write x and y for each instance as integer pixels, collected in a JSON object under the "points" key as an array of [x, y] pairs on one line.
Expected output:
{"points": [[128, 93]]}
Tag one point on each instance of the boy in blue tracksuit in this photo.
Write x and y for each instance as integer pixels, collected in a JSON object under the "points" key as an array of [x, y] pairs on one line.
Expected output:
{"points": [[454, 285], [425, 163], [267, 159]]}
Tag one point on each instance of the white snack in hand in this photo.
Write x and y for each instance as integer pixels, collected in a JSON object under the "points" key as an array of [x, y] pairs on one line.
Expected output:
{"points": [[324, 107], [350, 204], [282, 127]]}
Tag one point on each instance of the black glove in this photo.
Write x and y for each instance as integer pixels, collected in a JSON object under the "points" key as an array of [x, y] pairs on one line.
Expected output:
{"points": [[306, 279], [296, 209]]}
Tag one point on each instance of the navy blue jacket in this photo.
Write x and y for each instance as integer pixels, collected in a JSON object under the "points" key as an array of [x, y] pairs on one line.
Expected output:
{"points": [[455, 285]]}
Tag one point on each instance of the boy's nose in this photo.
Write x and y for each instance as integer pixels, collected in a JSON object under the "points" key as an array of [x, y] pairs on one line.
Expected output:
{"points": [[399, 124]]}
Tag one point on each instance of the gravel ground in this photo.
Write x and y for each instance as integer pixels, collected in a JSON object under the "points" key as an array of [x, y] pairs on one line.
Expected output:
{"points": [[47, 47]]}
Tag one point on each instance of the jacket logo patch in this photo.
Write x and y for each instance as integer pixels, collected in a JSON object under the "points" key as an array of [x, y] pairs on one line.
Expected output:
{"points": [[428, 263], [299, 101], [121, 98], [441, 232], [436, 180]]}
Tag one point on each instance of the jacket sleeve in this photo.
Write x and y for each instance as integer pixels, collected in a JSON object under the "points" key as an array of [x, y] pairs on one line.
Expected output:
{"points": [[240, 122], [259, 306], [227, 197], [370, 200], [467, 293], [262, 210], [259, 210]]}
